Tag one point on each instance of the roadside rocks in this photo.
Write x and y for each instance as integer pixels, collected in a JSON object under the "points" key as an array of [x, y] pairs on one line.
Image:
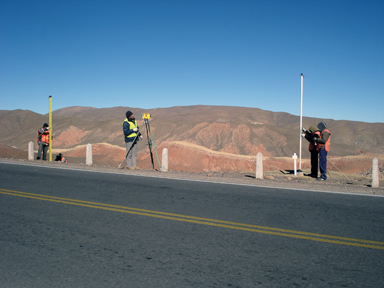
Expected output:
{"points": [[368, 172]]}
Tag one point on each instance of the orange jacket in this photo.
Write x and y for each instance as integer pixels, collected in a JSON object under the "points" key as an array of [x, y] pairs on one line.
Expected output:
{"points": [[43, 137], [327, 143]]}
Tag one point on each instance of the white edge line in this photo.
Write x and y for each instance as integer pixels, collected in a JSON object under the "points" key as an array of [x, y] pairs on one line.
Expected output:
{"points": [[195, 180]]}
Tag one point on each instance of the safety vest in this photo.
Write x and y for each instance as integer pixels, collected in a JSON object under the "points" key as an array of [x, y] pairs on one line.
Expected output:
{"points": [[43, 137], [312, 146], [328, 143], [131, 126]]}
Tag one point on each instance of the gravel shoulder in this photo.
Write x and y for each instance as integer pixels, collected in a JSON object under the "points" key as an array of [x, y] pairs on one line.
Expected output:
{"points": [[336, 182]]}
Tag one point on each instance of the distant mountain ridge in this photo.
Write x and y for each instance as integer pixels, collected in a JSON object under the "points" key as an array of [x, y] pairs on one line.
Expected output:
{"points": [[234, 130]]}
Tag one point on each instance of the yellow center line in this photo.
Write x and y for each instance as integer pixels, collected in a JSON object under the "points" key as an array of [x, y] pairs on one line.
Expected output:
{"points": [[204, 221]]}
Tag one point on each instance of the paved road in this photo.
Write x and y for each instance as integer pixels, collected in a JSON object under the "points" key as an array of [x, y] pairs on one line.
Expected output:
{"points": [[73, 228]]}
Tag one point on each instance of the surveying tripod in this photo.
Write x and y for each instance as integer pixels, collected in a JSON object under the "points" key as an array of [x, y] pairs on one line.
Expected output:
{"points": [[151, 143]]}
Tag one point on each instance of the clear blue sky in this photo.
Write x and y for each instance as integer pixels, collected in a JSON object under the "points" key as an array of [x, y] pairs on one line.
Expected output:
{"points": [[151, 54]]}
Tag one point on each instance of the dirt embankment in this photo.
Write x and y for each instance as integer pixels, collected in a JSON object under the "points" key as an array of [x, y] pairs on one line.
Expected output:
{"points": [[190, 161], [189, 157]]}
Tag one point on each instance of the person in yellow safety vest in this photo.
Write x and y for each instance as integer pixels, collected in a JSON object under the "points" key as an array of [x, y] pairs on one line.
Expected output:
{"points": [[311, 134], [324, 143], [43, 141], [131, 137]]}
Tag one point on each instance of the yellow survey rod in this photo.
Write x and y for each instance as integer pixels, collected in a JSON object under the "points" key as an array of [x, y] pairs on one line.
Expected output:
{"points": [[50, 128]]}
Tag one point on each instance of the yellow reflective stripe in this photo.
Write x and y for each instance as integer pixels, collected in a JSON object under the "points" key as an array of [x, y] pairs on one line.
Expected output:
{"points": [[131, 126]]}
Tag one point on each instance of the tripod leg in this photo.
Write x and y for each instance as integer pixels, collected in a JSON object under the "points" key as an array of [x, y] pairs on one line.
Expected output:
{"points": [[154, 148], [149, 142]]}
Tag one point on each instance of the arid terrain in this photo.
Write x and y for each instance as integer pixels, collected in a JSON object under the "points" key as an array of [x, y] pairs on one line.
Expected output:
{"points": [[214, 139]]}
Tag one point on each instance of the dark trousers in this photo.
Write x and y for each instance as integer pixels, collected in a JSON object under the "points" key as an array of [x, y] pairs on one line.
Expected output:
{"points": [[44, 148], [323, 163], [314, 162]]}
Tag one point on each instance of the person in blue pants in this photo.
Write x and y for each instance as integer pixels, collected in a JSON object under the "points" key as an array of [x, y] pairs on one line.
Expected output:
{"points": [[324, 144]]}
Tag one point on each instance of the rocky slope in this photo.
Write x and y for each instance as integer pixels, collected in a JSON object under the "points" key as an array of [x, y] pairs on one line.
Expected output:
{"points": [[210, 138]]}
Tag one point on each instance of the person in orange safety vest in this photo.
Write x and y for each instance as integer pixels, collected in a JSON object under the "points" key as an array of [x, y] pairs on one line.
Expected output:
{"points": [[60, 158], [43, 141], [324, 143]]}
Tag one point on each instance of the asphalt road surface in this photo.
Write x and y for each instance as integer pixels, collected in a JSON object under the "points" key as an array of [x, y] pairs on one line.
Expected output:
{"points": [[73, 228]]}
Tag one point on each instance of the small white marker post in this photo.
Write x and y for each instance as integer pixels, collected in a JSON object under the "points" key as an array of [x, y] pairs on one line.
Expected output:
{"points": [[375, 173], [259, 166], [164, 163], [88, 155], [31, 154], [294, 157]]}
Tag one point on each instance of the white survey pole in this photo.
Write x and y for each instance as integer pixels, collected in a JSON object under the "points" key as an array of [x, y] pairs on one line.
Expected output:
{"points": [[301, 120]]}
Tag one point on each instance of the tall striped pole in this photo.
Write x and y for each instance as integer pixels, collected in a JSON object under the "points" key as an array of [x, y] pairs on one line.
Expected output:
{"points": [[50, 128]]}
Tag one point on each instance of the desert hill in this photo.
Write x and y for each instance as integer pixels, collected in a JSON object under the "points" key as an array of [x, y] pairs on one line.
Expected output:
{"points": [[234, 130]]}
